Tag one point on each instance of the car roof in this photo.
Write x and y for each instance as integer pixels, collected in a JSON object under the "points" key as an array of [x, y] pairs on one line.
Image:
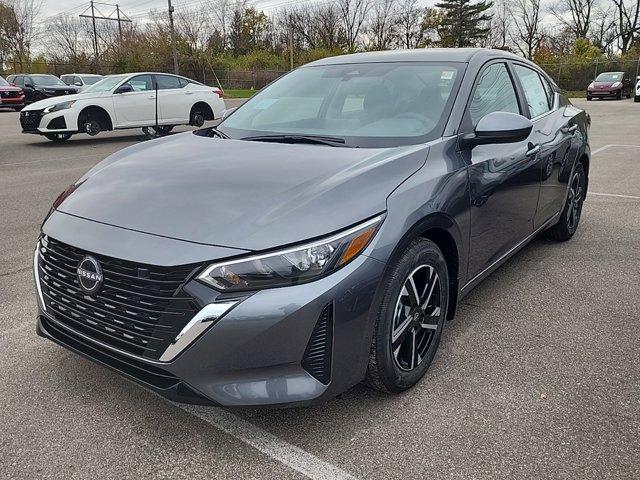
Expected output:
{"points": [[461, 55]]}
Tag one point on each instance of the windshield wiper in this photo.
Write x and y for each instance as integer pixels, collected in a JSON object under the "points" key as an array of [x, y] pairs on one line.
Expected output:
{"points": [[318, 139], [215, 131]]}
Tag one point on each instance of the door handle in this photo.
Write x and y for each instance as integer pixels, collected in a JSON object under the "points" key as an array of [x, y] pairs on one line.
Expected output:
{"points": [[188, 93], [152, 97], [533, 150], [572, 129]]}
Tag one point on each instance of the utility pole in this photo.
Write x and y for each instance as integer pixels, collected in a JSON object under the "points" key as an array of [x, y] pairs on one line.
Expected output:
{"points": [[116, 15], [173, 39], [95, 36], [291, 45]]}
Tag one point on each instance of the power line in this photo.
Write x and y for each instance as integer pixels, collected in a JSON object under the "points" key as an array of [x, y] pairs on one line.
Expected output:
{"points": [[116, 15]]}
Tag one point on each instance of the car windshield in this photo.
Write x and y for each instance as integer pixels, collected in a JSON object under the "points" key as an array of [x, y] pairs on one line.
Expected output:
{"points": [[366, 104], [46, 80], [3, 82], [106, 84], [91, 79], [609, 77]]}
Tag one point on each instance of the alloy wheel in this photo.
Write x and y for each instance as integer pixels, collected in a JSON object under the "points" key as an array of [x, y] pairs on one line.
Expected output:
{"points": [[574, 200], [416, 318]]}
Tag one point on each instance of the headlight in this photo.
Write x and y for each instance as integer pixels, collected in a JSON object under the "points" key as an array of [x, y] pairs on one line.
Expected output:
{"points": [[292, 266], [590, 85], [59, 106], [616, 85]]}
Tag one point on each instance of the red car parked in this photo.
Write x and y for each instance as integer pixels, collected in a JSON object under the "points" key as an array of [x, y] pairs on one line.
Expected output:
{"points": [[11, 96], [610, 84]]}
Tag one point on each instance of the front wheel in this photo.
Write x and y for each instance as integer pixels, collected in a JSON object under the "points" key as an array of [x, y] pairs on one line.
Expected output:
{"points": [[636, 99], [570, 216], [58, 137], [410, 318]]}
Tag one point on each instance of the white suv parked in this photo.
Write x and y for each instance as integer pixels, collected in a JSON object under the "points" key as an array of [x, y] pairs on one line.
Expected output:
{"points": [[637, 96], [81, 81], [156, 100]]}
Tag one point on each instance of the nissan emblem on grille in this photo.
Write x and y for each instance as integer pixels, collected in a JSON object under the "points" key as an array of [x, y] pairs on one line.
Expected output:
{"points": [[89, 275]]}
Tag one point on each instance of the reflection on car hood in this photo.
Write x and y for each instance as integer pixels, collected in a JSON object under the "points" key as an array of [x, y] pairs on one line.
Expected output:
{"points": [[47, 102], [242, 194]]}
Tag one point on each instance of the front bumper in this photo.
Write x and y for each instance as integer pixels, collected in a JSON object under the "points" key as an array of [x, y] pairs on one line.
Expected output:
{"points": [[38, 122], [254, 354], [604, 93], [11, 102]]}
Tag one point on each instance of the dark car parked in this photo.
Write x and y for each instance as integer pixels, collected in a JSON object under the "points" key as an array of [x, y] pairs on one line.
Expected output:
{"points": [[612, 85], [40, 86], [321, 235], [11, 96]]}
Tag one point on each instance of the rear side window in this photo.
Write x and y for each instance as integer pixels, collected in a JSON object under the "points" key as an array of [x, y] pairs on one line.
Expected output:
{"points": [[19, 81], [494, 93], [534, 91], [167, 82]]}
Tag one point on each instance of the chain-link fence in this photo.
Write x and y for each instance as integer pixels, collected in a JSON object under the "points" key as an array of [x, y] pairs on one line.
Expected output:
{"points": [[576, 76], [232, 79]]}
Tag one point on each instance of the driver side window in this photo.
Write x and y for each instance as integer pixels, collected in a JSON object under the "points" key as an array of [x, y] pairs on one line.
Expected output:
{"points": [[141, 83], [494, 92]]}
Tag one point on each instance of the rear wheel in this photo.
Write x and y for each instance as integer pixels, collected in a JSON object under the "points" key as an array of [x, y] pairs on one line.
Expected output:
{"points": [[410, 318], [197, 116], [570, 216], [58, 137]]}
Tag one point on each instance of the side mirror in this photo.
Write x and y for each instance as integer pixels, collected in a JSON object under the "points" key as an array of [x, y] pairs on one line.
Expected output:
{"points": [[499, 127], [78, 84], [228, 112], [28, 85], [126, 88]]}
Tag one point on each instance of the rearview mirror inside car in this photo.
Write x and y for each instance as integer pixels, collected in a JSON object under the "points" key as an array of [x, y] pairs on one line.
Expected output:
{"points": [[126, 88], [499, 127]]}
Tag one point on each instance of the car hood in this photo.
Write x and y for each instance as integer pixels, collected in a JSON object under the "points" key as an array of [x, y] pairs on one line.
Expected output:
{"points": [[47, 102], [240, 194], [9, 88]]}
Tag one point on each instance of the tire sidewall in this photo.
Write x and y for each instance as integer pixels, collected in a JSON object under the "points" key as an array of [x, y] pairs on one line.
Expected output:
{"points": [[419, 252]]}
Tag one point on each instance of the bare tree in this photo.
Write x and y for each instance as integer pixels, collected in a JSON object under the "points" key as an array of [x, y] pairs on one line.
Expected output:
{"points": [[628, 20], [526, 33], [410, 24], [383, 25], [604, 31], [575, 14], [353, 14], [315, 26], [67, 38], [26, 13], [500, 25]]}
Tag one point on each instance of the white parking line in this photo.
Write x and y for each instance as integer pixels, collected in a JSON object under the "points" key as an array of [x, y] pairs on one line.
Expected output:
{"points": [[613, 195], [601, 149], [267, 443]]}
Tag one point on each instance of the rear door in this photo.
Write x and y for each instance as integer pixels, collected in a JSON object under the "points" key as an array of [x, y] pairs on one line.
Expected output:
{"points": [[174, 102], [136, 108], [504, 179], [554, 129]]}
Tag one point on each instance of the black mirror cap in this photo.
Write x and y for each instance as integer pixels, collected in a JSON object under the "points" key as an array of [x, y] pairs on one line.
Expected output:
{"points": [[499, 127], [124, 89]]}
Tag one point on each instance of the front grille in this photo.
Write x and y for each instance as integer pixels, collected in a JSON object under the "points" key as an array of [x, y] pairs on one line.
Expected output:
{"points": [[10, 94], [30, 119], [139, 309], [317, 355]]}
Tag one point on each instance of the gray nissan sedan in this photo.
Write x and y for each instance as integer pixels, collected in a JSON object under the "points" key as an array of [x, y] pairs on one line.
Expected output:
{"points": [[321, 236]]}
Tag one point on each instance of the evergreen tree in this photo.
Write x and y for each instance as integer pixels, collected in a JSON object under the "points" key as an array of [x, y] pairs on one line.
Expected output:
{"points": [[464, 22]]}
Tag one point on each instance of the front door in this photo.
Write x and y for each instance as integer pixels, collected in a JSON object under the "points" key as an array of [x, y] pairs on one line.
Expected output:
{"points": [[138, 107], [504, 179]]}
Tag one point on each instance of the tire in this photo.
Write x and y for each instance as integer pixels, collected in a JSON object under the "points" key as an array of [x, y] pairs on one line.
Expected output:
{"points": [[197, 117], [589, 98], [397, 364], [570, 216], [619, 95], [58, 137], [636, 99]]}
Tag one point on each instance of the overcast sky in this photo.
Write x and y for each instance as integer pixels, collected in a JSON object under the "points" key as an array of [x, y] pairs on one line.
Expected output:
{"points": [[140, 7]]}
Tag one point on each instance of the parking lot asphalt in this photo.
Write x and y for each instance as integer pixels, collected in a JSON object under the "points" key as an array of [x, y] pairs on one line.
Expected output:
{"points": [[537, 377]]}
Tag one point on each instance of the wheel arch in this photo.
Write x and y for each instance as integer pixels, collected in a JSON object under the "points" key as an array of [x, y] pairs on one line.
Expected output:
{"points": [[584, 160], [442, 230], [208, 111], [106, 123]]}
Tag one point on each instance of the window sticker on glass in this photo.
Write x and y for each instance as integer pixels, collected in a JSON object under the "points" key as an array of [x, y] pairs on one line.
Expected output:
{"points": [[447, 75]]}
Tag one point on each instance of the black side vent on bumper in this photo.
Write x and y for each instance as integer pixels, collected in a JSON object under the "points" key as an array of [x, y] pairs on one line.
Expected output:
{"points": [[317, 356], [57, 123]]}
